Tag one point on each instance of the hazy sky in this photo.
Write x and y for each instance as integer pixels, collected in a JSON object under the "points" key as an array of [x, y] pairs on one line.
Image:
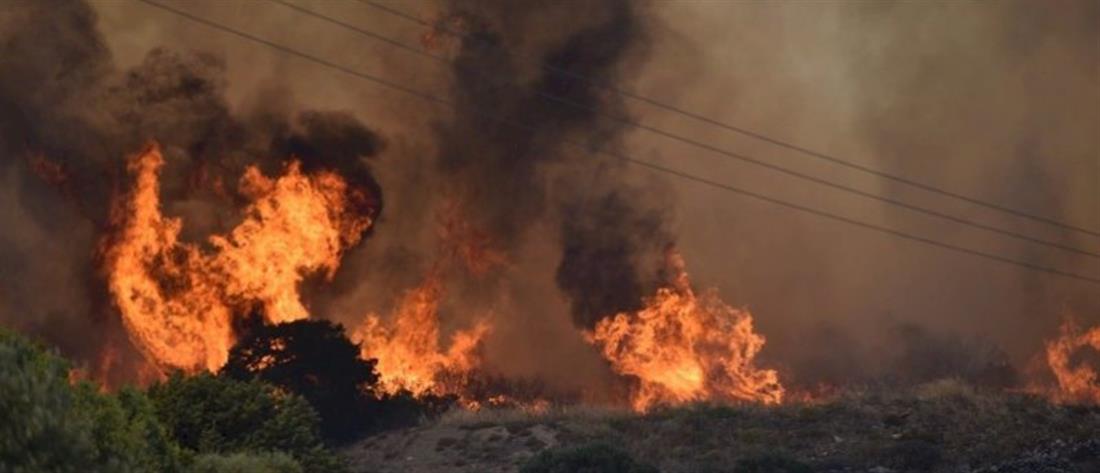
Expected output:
{"points": [[999, 101]]}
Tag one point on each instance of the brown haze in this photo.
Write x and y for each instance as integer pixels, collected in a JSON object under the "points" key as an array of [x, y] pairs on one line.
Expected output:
{"points": [[1000, 101]]}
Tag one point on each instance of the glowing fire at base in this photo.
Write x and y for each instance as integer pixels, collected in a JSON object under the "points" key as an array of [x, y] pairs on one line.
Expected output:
{"points": [[684, 347], [408, 352], [1080, 383], [177, 300]]}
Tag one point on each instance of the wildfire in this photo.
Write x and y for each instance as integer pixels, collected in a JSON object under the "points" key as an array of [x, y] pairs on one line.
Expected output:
{"points": [[407, 348], [1080, 383], [178, 301], [408, 351], [684, 347]]}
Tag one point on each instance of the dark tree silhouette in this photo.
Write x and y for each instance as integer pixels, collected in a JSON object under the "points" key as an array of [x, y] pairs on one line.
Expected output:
{"points": [[314, 359]]}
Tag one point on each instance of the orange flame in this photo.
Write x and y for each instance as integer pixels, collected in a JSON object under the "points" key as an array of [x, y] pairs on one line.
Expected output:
{"points": [[683, 348], [408, 351], [1075, 384], [177, 301]]}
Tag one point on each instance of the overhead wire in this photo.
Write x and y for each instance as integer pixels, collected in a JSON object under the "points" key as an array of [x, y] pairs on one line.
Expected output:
{"points": [[698, 144], [747, 132], [586, 148]]}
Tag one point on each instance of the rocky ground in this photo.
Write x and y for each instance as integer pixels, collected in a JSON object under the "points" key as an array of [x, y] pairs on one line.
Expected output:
{"points": [[940, 427]]}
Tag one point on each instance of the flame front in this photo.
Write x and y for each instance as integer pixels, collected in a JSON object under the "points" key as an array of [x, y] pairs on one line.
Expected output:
{"points": [[1080, 383], [178, 301], [408, 351], [684, 347], [406, 344]]}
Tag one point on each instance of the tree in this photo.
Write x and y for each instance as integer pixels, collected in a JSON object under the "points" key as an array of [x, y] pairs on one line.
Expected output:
{"points": [[210, 414], [314, 359]]}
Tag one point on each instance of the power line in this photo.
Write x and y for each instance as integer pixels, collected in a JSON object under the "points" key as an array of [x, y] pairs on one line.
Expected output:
{"points": [[746, 132], [698, 144], [436, 100]]}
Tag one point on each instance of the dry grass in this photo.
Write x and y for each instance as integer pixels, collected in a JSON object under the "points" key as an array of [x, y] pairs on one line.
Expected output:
{"points": [[944, 389], [942, 426], [505, 416]]}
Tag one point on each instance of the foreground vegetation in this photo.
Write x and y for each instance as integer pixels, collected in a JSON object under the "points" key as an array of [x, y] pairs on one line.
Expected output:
{"points": [[250, 418], [246, 420], [201, 424]]}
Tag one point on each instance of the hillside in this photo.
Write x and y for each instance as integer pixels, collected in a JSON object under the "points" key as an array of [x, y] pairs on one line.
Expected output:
{"points": [[939, 427]]}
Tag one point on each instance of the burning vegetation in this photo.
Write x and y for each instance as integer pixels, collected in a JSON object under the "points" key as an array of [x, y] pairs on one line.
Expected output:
{"points": [[1077, 382], [178, 300], [408, 349], [686, 348], [512, 261], [182, 302]]}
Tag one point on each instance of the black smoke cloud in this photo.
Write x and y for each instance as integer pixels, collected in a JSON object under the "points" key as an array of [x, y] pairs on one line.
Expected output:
{"points": [[65, 101], [529, 81], [65, 104]]}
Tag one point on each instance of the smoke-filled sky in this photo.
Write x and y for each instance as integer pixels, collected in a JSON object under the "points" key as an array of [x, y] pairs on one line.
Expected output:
{"points": [[997, 101]]}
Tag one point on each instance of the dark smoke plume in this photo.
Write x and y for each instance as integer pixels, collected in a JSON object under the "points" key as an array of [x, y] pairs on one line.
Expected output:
{"points": [[68, 119], [515, 57]]}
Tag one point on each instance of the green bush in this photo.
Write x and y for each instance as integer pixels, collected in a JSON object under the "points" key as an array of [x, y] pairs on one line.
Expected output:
{"points": [[125, 429], [211, 414], [49, 425], [593, 458], [37, 430], [246, 463]]}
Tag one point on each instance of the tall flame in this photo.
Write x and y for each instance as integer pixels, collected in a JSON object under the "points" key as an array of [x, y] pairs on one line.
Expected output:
{"points": [[1080, 383], [408, 351], [407, 343], [684, 347], [177, 300]]}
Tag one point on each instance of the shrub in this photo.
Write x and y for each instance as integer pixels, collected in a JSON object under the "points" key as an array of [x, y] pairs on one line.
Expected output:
{"points": [[47, 424], [210, 414], [126, 432], [402, 409], [592, 458], [246, 463], [37, 430]]}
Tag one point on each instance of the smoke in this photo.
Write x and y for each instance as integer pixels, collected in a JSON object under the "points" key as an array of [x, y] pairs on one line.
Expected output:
{"points": [[995, 101], [991, 100], [574, 235], [513, 176], [545, 206], [70, 117]]}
